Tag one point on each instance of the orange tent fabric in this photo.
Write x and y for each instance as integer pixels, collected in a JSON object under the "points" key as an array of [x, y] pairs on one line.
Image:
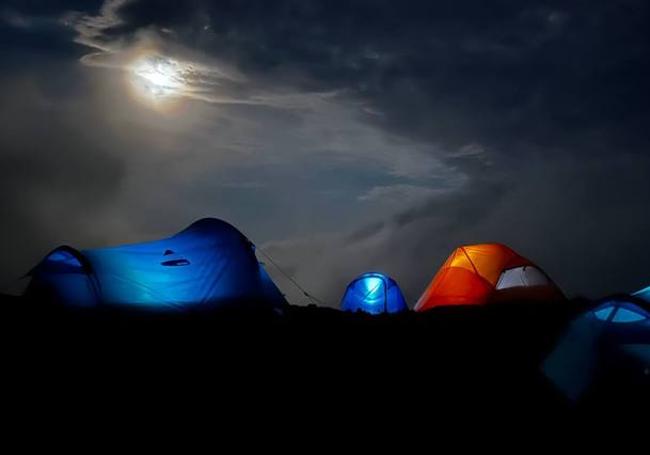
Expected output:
{"points": [[471, 273]]}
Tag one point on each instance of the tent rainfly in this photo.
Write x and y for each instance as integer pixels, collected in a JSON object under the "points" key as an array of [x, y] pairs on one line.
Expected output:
{"points": [[486, 273], [643, 294], [209, 264], [373, 293]]}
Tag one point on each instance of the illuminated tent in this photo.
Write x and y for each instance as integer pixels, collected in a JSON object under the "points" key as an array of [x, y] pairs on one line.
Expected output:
{"points": [[485, 273], [373, 293], [209, 264], [613, 339]]}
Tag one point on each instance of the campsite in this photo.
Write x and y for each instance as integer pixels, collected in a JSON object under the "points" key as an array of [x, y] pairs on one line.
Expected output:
{"points": [[355, 216], [496, 332]]}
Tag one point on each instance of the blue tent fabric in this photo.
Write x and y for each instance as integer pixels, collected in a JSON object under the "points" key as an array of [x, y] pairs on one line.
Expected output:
{"points": [[209, 264], [373, 293], [618, 326], [643, 294], [621, 310]]}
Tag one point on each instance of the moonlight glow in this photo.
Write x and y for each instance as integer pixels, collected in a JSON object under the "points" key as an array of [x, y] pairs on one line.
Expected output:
{"points": [[158, 77]]}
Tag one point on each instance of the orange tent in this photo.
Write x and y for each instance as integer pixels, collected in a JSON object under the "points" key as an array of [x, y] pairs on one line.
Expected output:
{"points": [[485, 273]]}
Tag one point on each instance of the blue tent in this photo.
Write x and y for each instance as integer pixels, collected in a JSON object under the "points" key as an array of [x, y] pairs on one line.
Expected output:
{"points": [[612, 337], [209, 264], [373, 293]]}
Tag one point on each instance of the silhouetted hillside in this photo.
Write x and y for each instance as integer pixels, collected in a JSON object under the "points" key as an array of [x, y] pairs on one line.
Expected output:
{"points": [[308, 359]]}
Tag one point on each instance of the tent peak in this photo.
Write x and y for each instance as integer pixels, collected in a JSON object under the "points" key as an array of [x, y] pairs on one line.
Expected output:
{"points": [[208, 222], [377, 274], [211, 225], [489, 244]]}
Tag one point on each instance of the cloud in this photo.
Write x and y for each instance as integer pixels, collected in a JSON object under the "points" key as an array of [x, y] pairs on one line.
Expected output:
{"points": [[503, 76], [586, 229], [91, 29], [392, 198], [283, 167], [55, 178], [16, 19], [381, 135]]}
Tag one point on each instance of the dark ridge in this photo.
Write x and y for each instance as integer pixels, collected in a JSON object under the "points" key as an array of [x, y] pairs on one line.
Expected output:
{"points": [[308, 359]]}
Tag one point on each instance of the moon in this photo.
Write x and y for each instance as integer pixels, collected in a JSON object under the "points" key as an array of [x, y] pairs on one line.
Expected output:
{"points": [[157, 78]]}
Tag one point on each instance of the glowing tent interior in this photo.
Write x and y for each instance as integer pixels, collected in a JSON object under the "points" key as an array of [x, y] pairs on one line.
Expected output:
{"points": [[209, 264], [485, 273], [373, 293]]}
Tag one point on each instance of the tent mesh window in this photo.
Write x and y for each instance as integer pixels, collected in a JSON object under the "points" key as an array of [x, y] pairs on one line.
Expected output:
{"points": [[522, 277], [627, 315], [621, 313]]}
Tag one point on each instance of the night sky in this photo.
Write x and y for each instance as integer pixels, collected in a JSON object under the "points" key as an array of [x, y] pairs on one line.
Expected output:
{"points": [[339, 136]]}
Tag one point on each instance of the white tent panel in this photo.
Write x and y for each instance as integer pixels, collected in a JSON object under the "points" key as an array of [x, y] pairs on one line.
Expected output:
{"points": [[522, 277]]}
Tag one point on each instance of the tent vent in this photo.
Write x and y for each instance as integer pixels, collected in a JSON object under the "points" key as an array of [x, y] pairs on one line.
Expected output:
{"points": [[175, 263]]}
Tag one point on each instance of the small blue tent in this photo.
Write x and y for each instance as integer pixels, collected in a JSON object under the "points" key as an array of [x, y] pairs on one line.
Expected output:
{"points": [[613, 336], [373, 293], [209, 264]]}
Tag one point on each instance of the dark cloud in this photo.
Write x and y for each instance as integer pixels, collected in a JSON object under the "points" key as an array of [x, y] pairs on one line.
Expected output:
{"points": [[547, 73], [529, 121], [585, 224], [29, 28]]}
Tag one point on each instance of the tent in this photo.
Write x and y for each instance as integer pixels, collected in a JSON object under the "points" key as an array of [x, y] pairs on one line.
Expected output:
{"points": [[610, 340], [491, 272], [209, 264], [373, 293]]}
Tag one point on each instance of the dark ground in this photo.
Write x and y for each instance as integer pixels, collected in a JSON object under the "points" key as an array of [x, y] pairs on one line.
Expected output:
{"points": [[473, 364]]}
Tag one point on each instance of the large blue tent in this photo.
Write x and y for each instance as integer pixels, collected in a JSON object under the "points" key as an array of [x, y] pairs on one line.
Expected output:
{"points": [[373, 293], [209, 264]]}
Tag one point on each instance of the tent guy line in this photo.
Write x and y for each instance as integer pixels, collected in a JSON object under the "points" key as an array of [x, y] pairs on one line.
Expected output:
{"points": [[292, 280]]}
